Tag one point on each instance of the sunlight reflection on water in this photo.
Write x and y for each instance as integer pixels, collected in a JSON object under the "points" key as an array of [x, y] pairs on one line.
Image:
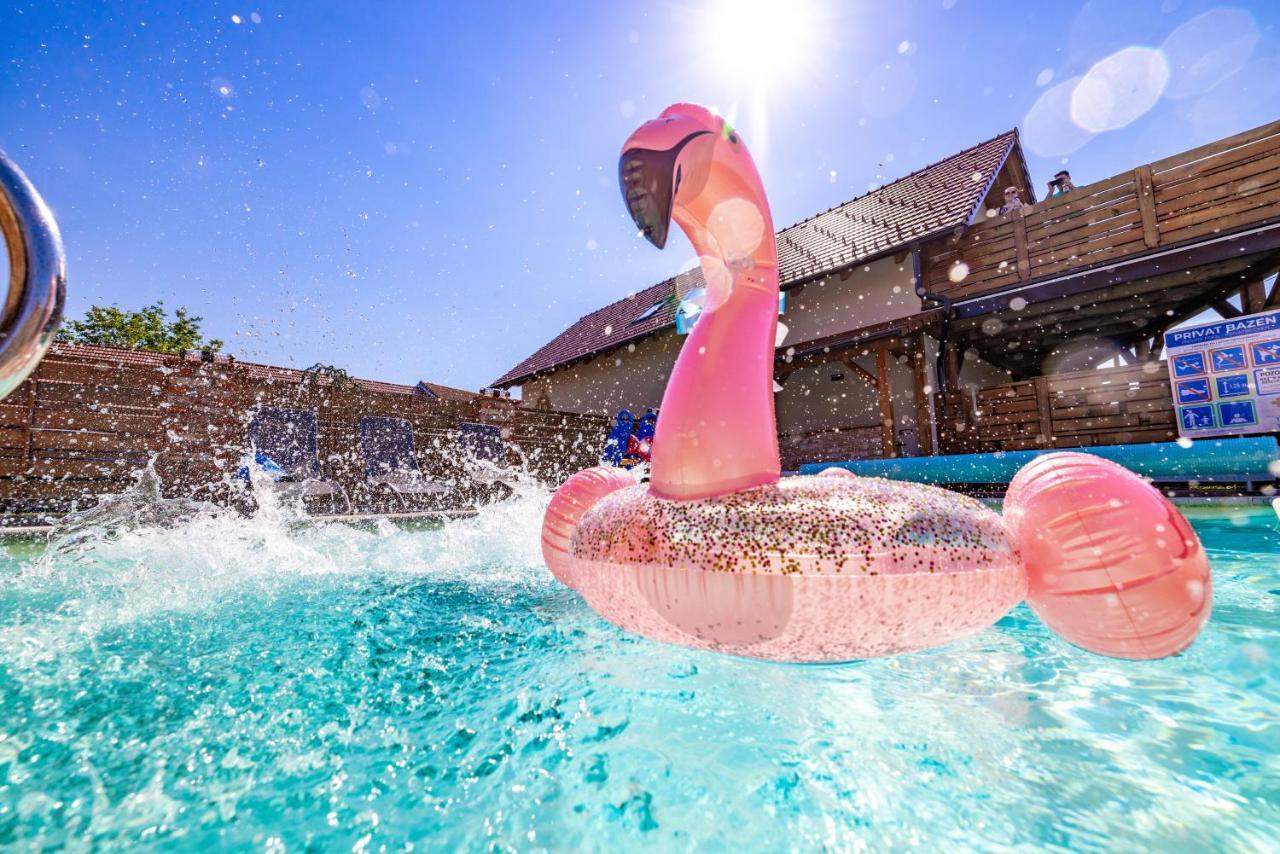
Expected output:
{"points": [[229, 682]]}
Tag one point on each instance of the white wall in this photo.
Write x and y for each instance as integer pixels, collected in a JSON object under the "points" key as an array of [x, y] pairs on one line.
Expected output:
{"points": [[811, 400], [975, 372], [631, 377], [635, 377], [873, 293]]}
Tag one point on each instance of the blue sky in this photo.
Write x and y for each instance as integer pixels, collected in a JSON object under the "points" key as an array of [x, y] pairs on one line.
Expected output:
{"points": [[427, 190]]}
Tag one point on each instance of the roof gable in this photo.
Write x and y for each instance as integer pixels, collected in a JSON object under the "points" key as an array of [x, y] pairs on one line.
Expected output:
{"points": [[937, 197]]}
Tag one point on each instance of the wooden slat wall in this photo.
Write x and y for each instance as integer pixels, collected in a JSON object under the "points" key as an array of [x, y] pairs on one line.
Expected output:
{"points": [[82, 427], [1227, 185], [1114, 406]]}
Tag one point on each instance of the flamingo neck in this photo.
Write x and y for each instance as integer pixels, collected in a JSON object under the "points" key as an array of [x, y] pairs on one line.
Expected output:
{"points": [[717, 431]]}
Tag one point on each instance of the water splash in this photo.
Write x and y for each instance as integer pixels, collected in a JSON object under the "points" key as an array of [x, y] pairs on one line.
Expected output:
{"points": [[220, 681]]}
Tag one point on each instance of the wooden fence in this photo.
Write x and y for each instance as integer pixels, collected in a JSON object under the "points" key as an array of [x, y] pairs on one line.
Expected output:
{"points": [[1113, 406], [1214, 189], [89, 419]]}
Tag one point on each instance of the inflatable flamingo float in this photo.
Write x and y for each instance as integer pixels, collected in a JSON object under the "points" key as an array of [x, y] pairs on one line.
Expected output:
{"points": [[719, 552]]}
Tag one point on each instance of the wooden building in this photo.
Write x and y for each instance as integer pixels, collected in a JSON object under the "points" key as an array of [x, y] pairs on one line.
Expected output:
{"points": [[922, 321]]}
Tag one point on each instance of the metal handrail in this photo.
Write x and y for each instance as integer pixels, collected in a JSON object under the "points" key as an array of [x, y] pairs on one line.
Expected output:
{"points": [[37, 277]]}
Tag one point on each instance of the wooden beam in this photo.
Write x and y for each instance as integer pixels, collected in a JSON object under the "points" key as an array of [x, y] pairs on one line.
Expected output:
{"points": [[1146, 205], [924, 418], [863, 374], [1273, 298], [839, 352], [1142, 349], [887, 439], [1226, 309], [1101, 297]]}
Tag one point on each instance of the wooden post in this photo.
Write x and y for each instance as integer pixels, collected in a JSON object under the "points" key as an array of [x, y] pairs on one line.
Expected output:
{"points": [[1254, 297], [1143, 350], [951, 365], [1020, 243], [1146, 205], [924, 419], [1043, 408], [887, 439]]}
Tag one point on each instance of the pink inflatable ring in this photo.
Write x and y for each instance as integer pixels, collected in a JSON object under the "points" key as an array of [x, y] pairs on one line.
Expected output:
{"points": [[719, 552]]}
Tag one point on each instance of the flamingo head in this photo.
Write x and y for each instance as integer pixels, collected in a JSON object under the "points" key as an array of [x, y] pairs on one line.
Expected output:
{"points": [[669, 162]]}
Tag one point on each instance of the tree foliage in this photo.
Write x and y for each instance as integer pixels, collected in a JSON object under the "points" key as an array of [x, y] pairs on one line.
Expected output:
{"points": [[146, 329], [338, 378]]}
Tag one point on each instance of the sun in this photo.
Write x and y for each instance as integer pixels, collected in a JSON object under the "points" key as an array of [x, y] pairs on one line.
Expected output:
{"points": [[756, 56], [757, 44]]}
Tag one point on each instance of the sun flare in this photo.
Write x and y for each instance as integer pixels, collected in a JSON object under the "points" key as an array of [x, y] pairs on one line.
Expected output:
{"points": [[760, 43], [756, 55]]}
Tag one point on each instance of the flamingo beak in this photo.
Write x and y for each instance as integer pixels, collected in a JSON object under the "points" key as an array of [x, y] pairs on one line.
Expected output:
{"points": [[649, 181]]}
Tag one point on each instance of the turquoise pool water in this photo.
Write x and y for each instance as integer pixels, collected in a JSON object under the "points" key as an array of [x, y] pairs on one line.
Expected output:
{"points": [[272, 685]]}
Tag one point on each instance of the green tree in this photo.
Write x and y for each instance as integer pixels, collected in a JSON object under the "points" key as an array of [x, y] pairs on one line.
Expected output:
{"points": [[146, 329]]}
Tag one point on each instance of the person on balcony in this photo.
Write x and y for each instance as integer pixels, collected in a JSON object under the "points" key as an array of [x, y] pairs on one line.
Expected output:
{"points": [[1012, 200], [1060, 184]]}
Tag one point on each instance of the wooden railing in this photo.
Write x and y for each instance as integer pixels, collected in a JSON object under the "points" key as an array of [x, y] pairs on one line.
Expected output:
{"points": [[81, 427], [1215, 189], [1112, 406]]}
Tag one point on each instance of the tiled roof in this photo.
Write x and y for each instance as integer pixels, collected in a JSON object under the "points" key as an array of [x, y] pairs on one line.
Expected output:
{"points": [[148, 358], [933, 199], [612, 326]]}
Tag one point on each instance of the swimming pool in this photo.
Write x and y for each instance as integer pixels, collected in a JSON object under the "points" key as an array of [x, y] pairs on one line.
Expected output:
{"points": [[273, 684]]}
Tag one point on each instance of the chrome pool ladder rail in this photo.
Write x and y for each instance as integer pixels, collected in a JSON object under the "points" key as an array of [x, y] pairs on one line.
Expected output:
{"points": [[37, 277]]}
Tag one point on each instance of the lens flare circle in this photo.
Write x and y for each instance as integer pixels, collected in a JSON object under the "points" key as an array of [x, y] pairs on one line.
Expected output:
{"points": [[1047, 128], [1119, 89]]}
